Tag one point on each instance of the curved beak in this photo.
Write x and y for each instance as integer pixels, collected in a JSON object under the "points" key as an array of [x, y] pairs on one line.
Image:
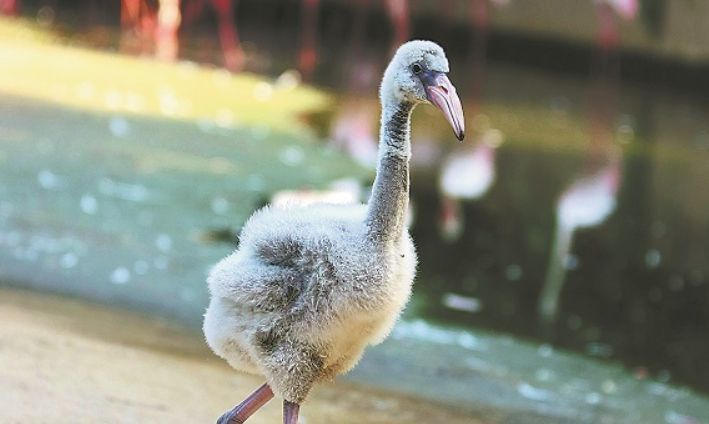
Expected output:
{"points": [[441, 93]]}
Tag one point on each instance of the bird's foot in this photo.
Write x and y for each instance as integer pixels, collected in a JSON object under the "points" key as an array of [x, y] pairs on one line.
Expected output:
{"points": [[245, 409], [231, 417]]}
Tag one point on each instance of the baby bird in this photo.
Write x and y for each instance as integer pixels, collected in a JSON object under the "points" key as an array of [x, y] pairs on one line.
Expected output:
{"points": [[310, 287]]}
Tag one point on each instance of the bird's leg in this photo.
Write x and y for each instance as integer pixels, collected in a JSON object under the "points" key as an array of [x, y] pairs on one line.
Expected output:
{"points": [[290, 412], [245, 409]]}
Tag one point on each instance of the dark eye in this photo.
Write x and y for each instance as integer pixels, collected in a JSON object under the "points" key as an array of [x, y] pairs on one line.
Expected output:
{"points": [[416, 68]]}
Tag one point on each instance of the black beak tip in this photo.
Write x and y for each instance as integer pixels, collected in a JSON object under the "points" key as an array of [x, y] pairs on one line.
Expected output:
{"points": [[460, 136]]}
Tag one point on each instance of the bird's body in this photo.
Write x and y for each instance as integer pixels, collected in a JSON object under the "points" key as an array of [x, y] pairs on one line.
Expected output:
{"points": [[311, 286], [307, 278]]}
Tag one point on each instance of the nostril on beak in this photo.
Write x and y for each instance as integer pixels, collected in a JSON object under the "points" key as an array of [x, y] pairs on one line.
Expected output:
{"points": [[444, 89]]}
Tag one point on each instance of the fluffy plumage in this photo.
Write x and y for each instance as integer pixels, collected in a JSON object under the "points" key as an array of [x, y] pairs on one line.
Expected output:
{"points": [[310, 287], [304, 294]]}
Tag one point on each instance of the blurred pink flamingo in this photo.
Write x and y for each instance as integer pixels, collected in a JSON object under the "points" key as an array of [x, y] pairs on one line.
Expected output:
{"points": [[466, 174], [480, 22], [307, 58], [228, 36], [591, 198], [168, 22], [608, 34], [232, 51], [138, 23], [398, 11], [9, 7], [146, 26], [354, 131], [586, 203]]}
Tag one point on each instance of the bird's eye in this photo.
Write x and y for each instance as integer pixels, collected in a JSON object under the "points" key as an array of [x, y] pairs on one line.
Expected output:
{"points": [[416, 68]]}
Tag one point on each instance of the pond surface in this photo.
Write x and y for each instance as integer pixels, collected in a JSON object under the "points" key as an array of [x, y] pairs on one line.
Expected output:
{"points": [[575, 213]]}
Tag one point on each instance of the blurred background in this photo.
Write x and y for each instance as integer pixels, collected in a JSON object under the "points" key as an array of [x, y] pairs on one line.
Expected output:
{"points": [[563, 246]]}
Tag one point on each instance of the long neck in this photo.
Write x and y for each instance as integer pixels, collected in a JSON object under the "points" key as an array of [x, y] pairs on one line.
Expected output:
{"points": [[390, 193]]}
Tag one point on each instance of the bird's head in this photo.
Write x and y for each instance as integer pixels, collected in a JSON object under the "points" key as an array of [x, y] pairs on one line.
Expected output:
{"points": [[417, 74]]}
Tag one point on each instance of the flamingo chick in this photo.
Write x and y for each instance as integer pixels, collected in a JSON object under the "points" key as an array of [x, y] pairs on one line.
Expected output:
{"points": [[311, 286]]}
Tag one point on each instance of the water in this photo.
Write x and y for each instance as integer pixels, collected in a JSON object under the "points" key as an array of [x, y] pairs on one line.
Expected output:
{"points": [[630, 278]]}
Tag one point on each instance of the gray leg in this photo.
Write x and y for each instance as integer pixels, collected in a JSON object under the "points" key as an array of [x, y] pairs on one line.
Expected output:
{"points": [[290, 412], [245, 409]]}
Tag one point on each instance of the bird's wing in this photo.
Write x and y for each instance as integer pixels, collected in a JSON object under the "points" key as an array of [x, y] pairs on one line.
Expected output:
{"points": [[282, 251]]}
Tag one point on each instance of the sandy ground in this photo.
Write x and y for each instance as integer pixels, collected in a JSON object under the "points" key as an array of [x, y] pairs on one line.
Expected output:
{"points": [[64, 361]]}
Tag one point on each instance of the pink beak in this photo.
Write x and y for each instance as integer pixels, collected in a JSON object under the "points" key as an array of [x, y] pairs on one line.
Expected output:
{"points": [[441, 93]]}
